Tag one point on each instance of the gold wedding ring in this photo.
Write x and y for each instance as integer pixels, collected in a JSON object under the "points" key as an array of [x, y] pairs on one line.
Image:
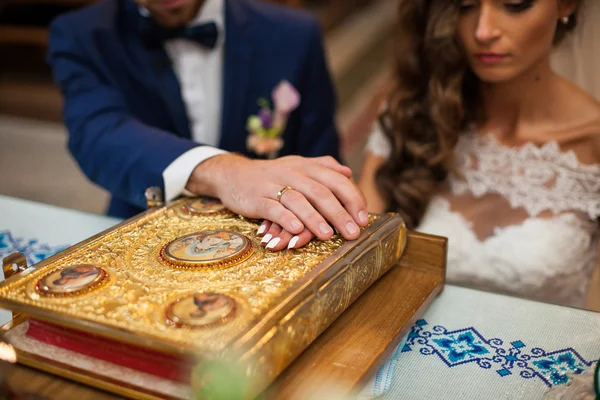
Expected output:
{"points": [[282, 191]]}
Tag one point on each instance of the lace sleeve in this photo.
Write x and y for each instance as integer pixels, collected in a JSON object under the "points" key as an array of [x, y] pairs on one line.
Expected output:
{"points": [[378, 144]]}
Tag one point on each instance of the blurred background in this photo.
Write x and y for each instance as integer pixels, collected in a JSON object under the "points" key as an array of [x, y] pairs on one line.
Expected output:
{"points": [[34, 161]]}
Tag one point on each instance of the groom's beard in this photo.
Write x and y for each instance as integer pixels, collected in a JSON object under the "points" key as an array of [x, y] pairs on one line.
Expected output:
{"points": [[172, 13]]}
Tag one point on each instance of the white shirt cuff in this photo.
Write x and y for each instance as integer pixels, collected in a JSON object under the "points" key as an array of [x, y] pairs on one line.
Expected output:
{"points": [[177, 174]]}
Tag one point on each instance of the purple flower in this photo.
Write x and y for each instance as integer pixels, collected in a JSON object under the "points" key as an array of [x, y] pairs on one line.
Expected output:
{"points": [[265, 118]]}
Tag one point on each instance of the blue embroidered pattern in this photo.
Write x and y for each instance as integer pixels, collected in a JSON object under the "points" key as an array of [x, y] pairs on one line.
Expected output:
{"points": [[383, 378], [34, 251], [469, 346]]}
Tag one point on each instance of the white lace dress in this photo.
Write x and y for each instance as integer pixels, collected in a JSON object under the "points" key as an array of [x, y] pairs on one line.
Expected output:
{"points": [[520, 220]]}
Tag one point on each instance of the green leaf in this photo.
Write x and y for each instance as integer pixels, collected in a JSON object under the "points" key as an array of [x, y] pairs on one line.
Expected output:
{"points": [[264, 103], [273, 132]]}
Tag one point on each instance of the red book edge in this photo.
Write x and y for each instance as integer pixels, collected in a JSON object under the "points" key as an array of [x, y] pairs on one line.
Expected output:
{"points": [[141, 359]]}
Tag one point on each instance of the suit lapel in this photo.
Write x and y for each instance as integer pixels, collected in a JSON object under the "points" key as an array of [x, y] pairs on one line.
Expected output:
{"points": [[152, 68], [238, 56], [171, 92]]}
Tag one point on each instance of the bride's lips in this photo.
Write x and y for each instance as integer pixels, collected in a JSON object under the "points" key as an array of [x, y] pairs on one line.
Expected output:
{"points": [[491, 58]]}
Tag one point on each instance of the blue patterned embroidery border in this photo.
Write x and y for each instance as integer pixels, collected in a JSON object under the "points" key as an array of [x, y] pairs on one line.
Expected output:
{"points": [[469, 346], [383, 378], [34, 250], [597, 380]]}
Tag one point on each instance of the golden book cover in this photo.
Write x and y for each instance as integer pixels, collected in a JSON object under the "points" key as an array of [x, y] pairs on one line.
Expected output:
{"points": [[137, 306]]}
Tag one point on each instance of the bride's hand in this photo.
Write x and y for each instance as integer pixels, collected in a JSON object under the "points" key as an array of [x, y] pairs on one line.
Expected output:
{"points": [[275, 238]]}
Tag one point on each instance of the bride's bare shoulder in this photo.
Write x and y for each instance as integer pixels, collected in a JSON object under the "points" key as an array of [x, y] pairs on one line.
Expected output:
{"points": [[590, 111], [578, 101], [582, 111]]}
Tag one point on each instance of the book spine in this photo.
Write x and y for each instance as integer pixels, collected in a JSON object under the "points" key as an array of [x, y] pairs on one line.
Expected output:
{"points": [[301, 326]]}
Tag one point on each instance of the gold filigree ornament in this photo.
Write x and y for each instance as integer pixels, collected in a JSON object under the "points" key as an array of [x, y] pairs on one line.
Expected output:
{"points": [[203, 207], [71, 280], [201, 310], [214, 249]]}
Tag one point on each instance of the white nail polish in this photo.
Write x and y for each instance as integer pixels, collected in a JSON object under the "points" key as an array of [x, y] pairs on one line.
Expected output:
{"points": [[273, 243], [293, 242], [266, 239], [262, 229]]}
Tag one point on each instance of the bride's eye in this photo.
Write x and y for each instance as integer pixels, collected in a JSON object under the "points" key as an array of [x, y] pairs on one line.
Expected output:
{"points": [[466, 6], [518, 6]]}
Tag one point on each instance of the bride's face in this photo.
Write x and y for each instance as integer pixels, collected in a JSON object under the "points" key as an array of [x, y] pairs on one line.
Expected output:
{"points": [[504, 39]]}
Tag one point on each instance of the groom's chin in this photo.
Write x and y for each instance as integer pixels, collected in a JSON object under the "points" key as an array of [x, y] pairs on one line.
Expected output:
{"points": [[174, 13]]}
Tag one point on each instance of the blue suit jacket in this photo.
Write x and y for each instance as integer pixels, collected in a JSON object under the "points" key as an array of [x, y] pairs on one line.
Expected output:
{"points": [[123, 107]]}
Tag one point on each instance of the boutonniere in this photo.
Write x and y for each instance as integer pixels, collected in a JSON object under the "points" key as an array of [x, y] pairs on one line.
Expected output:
{"points": [[265, 128]]}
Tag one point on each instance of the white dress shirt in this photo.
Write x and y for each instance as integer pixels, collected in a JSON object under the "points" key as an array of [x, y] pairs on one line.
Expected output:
{"points": [[200, 72]]}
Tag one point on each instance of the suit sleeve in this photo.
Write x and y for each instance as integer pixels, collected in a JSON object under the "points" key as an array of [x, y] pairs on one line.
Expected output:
{"points": [[318, 135], [115, 150]]}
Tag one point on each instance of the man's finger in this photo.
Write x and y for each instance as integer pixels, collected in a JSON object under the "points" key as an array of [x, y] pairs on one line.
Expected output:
{"points": [[345, 190], [331, 163], [326, 204], [298, 204], [273, 211]]}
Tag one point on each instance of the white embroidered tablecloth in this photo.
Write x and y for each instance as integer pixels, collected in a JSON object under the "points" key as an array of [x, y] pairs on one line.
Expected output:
{"points": [[468, 345], [476, 345]]}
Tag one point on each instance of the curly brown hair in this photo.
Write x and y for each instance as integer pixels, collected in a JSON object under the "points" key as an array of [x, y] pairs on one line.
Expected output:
{"points": [[434, 98]]}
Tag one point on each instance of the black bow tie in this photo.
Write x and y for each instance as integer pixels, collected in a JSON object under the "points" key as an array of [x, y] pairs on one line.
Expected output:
{"points": [[155, 35]]}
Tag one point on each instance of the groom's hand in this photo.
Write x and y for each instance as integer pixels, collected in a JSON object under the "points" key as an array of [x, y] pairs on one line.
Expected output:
{"points": [[322, 192]]}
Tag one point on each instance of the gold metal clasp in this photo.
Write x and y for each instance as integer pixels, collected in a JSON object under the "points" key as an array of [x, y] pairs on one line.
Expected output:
{"points": [[154, 197], [13, 264]]}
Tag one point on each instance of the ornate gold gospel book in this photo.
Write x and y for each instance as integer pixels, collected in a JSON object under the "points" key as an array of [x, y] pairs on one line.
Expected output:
{"points": [[137, 306]]}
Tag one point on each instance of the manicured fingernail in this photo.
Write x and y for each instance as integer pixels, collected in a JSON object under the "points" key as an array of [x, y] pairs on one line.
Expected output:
{"points": [[363, 217], [351, 228], [293, 242], [267, 238], [262, 228], [324, 228], [273, 243], [295, 224]]}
